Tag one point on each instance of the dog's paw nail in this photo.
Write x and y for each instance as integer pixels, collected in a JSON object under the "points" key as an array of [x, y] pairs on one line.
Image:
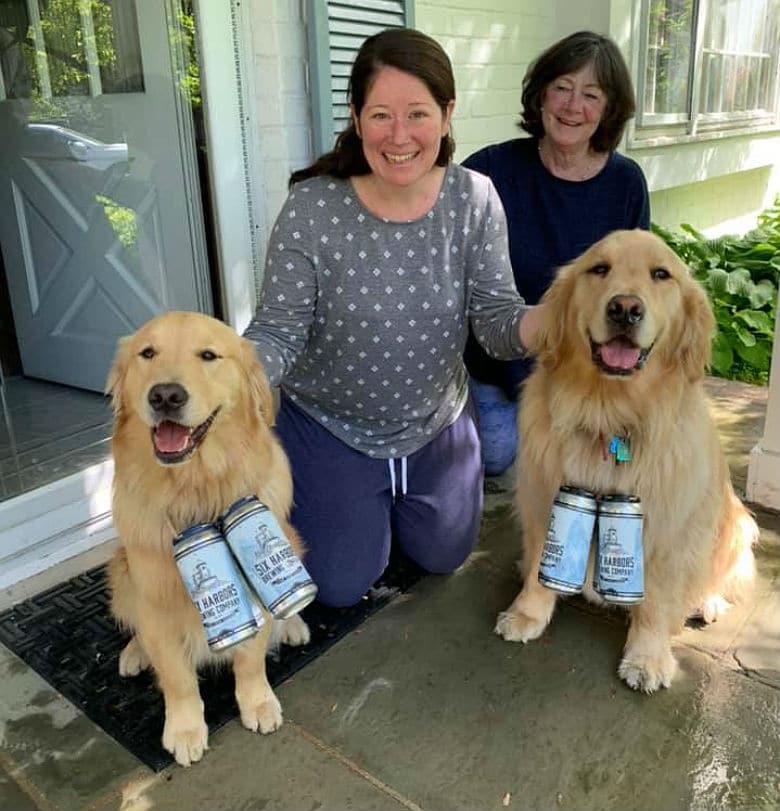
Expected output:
{"points": [[270, 717], [714, 608], [186, 745], [647, 674], [293, 632], [132, 660], [263, 717], [296, 632], [518, 627]]}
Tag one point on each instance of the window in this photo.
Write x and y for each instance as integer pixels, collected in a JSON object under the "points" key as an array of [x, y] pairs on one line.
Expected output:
{"points": [[708, 67], [52, 49], [336, 30]]}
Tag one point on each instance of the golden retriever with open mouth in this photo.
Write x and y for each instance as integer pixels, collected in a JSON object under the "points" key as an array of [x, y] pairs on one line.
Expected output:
{"points": [[192, 434], [623, 349]]}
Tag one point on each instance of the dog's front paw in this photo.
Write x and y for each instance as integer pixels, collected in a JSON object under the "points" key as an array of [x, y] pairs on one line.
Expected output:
{"points": [[713, 607], [292, 631], [185, 737], [518, 627], [133, 659], [264, 715], [648, 672]]}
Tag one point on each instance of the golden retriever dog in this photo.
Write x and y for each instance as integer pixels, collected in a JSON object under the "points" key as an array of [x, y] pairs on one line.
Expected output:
{"points": [[622, 351], [192, 434]]}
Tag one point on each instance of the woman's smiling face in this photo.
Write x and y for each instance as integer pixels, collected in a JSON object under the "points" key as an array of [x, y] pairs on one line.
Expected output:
{"points": [[572, 107], [401, 126]]}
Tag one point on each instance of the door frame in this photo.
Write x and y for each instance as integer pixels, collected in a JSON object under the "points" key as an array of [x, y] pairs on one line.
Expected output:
{"points": [[227, 82], [65, 519]]}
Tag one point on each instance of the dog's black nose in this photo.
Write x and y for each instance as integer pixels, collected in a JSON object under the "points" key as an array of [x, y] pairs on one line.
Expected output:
{"points": [[167, 397], [625, 311]]}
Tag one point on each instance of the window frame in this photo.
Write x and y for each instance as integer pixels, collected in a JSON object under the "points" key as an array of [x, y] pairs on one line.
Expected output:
{"points": [[679, 128]]}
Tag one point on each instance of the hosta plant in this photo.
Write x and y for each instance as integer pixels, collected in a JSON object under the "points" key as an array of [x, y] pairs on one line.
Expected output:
{"points": [[740, 275]]}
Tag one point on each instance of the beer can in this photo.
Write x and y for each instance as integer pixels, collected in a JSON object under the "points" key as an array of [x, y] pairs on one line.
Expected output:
{"points": [[565, 554], [619, 567], [215, 584], [269, 563]]}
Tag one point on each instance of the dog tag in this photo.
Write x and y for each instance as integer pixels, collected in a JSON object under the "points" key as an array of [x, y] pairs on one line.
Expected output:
{"points": [[620, 448], [623, 452]]}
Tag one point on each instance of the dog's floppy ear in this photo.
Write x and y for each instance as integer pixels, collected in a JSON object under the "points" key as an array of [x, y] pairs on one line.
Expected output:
{"points": [[698, 326], [552, 330], [116, 374], [259, 388]]}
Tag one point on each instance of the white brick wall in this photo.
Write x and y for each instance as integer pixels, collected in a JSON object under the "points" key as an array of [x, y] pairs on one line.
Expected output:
{"points": [[279, 104]]}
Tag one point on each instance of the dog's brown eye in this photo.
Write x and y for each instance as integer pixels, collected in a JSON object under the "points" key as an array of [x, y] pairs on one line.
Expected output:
{"points": [[208, 354], [599, 270], [659, 274], [147, 353]]}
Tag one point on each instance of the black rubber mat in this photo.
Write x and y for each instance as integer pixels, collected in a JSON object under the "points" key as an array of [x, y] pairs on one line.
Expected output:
{"points": [[67, 635]]}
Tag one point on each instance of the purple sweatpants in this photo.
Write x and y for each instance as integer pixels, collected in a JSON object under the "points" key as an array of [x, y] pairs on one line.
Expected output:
{"points": [[348, 507]]}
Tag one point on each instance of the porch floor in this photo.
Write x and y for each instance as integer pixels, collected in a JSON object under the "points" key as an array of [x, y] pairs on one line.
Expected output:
{"points": [[48, 431], [423, 707]]}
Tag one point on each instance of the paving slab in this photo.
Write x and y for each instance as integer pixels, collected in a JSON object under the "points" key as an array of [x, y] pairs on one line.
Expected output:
{"points": [[49, 751], [241, 771]]}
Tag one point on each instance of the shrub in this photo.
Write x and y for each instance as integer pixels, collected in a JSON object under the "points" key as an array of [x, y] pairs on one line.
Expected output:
{"points": [[741, 277]]}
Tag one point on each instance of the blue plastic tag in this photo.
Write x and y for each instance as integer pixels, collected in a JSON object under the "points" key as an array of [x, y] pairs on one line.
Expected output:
{"points": [[620, 448]]}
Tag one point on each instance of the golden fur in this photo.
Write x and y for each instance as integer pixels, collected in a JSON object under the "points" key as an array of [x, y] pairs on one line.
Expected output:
{"points": [[697, 536], [154, 500]]}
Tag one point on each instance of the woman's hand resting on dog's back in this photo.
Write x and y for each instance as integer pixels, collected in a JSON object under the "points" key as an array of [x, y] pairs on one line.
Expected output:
{"points": [[529, 327]]}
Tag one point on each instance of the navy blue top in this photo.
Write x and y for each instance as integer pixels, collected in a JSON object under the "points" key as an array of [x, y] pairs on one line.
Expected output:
{"points": [[551, 221]]}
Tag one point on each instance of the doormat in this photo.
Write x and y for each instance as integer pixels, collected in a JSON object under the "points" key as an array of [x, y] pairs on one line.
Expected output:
{"points": [[67, 635]]}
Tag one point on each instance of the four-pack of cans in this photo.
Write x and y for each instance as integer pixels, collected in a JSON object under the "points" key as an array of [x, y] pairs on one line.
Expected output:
{"points": [[617, 520], [228, 565]]}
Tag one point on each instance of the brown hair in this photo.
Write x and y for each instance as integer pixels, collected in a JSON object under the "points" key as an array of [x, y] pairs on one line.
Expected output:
{"points": [[568, 56], [407, 50]]}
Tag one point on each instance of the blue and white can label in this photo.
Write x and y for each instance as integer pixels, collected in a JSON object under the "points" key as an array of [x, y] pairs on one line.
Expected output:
{"points": [[565, 554], [269, 563], [619, 561], [215, 585]]}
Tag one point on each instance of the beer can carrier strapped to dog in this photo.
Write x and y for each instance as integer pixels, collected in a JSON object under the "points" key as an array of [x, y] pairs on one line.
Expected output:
{"points": [[216, 586], [619, 570], [565, 554], [268, 561]]}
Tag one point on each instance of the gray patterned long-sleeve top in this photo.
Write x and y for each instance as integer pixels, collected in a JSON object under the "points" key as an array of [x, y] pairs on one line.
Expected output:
{"points": [[363, 320]]}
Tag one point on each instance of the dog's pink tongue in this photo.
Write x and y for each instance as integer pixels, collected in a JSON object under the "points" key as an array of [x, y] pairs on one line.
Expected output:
{"points": [[170, 437], [620, 354]]}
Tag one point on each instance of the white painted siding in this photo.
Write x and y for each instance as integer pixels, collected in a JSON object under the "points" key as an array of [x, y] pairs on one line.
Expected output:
{"points": [[490, 44]]}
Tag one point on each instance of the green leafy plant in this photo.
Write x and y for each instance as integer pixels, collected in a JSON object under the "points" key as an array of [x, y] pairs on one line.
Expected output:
{"points": [[741, 277]]}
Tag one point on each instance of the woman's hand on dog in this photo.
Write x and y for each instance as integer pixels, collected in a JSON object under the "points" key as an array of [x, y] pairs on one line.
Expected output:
{"points": [[529, 327]]}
